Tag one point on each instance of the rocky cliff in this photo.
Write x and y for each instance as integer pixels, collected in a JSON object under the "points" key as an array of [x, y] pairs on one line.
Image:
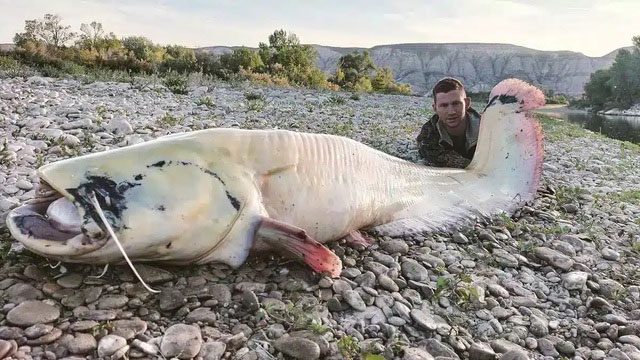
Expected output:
{"points": [[480, 66]]}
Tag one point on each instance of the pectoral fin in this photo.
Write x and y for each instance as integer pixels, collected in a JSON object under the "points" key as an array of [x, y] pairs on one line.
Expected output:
{"points": [[355, 237], [294, 242]]}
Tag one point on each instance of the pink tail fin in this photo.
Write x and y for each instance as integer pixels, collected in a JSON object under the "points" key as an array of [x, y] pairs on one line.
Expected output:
{"points": [[529, 96]]}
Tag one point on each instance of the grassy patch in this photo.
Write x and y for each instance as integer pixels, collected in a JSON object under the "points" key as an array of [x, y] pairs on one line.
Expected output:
{"points": [[458, 288], [559, 130], [349, 347], [341, 128], [251, 96], [255, 101], [335, 100], [373, 357], [525, 247], [628, 196], [10, 67], [5, 244], [568, 194], [170, 120], [256, 105], [627, 146], [5, 156], [107, 75], [206, 101], [506, 221], [555, 229], [297, 317], [8, 63], [177, 83]]}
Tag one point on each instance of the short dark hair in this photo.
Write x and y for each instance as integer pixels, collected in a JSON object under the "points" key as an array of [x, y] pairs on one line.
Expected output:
{"points": [[445, 85]]}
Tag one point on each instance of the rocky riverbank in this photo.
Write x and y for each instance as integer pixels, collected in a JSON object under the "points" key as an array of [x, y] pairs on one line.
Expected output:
{"points": [[558, 280], [632, 111]]}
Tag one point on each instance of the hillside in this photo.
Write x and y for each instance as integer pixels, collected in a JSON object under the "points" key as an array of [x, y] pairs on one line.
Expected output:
{"points": [[480, 66]]}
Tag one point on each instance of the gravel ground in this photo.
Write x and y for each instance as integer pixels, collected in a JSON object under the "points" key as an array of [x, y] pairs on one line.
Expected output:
{"points": [[559, 279]]}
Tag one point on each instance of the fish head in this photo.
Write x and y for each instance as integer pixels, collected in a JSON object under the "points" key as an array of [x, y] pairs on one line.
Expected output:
{"points": [[161, 199]]}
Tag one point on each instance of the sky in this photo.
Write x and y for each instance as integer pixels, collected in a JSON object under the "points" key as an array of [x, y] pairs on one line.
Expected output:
{"points": [[592, 27]]}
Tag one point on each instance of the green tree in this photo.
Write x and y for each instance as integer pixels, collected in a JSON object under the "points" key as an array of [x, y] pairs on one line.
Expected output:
{"points": [[179, 58], [625, 78], [598, 90], [242, 58], [285, 56], [141, 48], [109, 42], [210, 65], [352, 69], [48, 30], [94, 44], [384, 82], [93, 37], [90, 36], [619, 85], [383, 79]]}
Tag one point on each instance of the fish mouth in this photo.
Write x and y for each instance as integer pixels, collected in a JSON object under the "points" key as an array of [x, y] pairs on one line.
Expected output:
{"points": [[52, 224]]}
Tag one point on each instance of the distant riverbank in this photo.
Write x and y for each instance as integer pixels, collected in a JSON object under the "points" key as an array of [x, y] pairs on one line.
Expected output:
{"points": [[622, 127], [561, 108], [633, 111]]}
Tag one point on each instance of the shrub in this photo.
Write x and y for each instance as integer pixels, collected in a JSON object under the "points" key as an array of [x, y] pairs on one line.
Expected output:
{"points": [[254, 96], [264, 79], [242, 58], [176, 83], [11, 67], [352, 69], [357, 72]]}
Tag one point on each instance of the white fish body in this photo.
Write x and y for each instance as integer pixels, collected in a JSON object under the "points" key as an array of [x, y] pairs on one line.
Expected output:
{"points": [[214, 195]]}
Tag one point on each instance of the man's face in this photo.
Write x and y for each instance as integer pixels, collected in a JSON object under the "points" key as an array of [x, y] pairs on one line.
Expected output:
{"points": [[451, 108]]}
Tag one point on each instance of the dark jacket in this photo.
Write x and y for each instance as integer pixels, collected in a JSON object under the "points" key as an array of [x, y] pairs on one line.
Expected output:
{"points": [[437, 148]]}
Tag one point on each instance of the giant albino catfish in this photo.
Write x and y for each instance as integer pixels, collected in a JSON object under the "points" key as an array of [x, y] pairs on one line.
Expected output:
{"points": [[219, 194]]}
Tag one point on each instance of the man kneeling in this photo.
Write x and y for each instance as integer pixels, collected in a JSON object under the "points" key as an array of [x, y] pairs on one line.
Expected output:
{"points": [[449, 137]]}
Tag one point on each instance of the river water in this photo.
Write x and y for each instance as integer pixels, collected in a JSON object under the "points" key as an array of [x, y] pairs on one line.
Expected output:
{"points": [[625, 128]]}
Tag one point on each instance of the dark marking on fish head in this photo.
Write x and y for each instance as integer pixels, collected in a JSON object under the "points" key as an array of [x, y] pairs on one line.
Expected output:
{"points": [[158, 164], [508, 99], [209, 172], [110, 196], [234, 202], [163, 163], [503, 99], [126, 185]]}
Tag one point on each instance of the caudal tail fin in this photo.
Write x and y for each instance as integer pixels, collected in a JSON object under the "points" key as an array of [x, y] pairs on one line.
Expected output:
{"points": [[510, 143], [504, 172]]}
